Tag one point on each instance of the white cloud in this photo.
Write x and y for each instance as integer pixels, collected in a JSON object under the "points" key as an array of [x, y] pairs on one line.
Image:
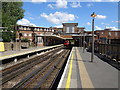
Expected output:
{"points": [[58, 17], [113, 0], [101, 17], [105, 24], [51, 6], [116, 21], [61, 4], [102, 23], [31, 18], [98, 28], [59, 26], [39, 0], [25, 22], [113, 28], [75, 4], [96, 0], [88, 23], [89, 4]]}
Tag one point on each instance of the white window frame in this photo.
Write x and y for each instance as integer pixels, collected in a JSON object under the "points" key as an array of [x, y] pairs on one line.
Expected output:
{"points": [[109, 33], [67, 29], [102, 33], [73, 29], [30, 34], [25, 34], [24, 28], [116, 33]]}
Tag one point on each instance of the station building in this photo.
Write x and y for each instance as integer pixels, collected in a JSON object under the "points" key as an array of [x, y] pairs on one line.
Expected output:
{"points": [[40, 36], [43, 36], [108, 36]]}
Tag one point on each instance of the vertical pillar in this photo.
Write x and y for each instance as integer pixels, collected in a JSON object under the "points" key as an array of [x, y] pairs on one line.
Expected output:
{"points": [[92, 54]]}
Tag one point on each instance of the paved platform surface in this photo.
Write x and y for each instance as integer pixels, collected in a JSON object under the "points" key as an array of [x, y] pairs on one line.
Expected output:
{"points": [[19, 51], [81, 73], [9, 54]]}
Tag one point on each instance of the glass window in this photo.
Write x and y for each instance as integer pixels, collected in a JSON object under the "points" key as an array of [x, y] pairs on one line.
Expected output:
{"points": [[25, 34], [24, 28], [67, 29], [109, 33], [116, 33], [73, 30], [30, 34], [40, 40], [38, 29]]}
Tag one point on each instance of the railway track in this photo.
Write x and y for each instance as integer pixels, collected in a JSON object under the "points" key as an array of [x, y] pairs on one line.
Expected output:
{"points": [[14, 71], [39, 77]]}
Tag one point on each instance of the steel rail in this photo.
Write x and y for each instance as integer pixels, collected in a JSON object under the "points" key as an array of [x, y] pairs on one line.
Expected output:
{"points": [[14, 74], [62, 57], [17, 66], [31, 75], [51, 69]]}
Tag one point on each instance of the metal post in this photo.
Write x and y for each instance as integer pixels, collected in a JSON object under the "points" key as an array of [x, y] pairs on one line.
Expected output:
{"points": [[79, 41], [44, 38], [92, 54], [83, 41], [19, 41], [16, 43]]}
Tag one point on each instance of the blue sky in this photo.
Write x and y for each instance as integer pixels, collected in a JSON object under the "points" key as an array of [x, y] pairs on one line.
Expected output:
{"points": [[47, 14]]}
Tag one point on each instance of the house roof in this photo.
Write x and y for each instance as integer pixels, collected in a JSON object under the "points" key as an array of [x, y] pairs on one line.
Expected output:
{"points": [[69, 23], [66, 36]]}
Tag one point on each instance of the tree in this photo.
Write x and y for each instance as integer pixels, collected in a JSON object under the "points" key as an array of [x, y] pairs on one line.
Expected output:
{"points": [[11, 13]]}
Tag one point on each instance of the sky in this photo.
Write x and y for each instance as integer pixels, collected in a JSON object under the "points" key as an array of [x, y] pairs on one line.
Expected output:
{"points": [[53, 14]]}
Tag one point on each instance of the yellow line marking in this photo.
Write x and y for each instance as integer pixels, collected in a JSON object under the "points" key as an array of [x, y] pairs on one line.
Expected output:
{"points": [[69, 74], [85, 79]]}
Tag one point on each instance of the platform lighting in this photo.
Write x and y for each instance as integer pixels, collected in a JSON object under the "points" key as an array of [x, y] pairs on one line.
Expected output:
{"points": [[92, 54]]}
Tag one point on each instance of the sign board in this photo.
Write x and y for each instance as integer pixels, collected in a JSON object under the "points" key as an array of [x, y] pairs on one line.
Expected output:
{"points": [[2, 47]]}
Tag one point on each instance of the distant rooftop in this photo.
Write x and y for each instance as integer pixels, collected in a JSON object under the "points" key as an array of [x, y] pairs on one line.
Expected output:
{"points": [[69, 23]]}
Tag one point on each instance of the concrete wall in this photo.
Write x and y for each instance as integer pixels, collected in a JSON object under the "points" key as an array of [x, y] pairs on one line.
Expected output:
{"points": [[16, 45]]}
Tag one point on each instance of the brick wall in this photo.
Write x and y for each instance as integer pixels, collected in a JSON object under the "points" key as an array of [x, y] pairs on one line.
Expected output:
{"points": [[16, 45]]}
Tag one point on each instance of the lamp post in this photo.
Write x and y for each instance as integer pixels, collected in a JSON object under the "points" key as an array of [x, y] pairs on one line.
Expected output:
{"points": [[92, 54]]}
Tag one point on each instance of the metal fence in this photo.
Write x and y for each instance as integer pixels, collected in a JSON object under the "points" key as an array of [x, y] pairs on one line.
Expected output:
{"points": [[110, 50]]}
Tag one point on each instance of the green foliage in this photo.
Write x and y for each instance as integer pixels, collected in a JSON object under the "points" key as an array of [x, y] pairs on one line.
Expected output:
{"points": [[24, 40], [11, 13]]}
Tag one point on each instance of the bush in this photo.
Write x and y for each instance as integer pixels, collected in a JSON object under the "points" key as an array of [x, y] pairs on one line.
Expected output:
{"points": [[24, 40]]}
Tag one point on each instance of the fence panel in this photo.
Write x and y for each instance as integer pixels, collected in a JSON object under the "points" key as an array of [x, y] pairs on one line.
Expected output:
{"points": [[110, 50]]}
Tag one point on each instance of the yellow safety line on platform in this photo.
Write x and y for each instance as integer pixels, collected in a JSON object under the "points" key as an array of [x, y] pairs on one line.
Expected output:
{"points": [[85, 79], [69, 74]]}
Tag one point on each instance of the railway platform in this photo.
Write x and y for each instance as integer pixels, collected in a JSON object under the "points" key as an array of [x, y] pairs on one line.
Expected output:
{"points": [[10, 54], [79, 72], [13, 52]]}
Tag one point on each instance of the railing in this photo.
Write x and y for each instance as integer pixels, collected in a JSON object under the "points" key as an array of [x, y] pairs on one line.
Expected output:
{"points": [[110, 50]]}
